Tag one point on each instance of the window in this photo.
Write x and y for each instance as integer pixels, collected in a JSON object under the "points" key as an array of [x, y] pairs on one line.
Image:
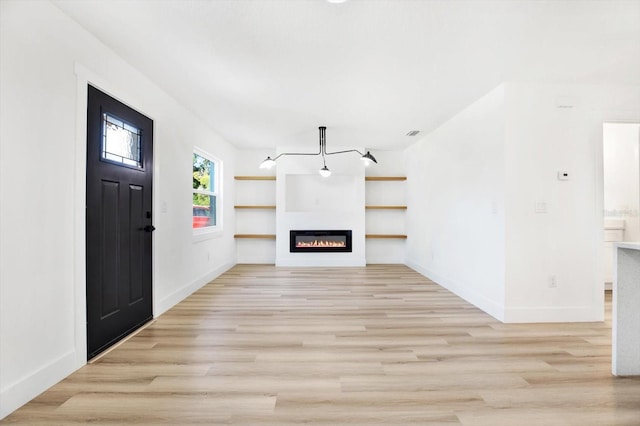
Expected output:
{"points": [[121, 142], [206, 196]]}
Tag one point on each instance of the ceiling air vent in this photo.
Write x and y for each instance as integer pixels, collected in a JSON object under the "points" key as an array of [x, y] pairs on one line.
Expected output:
{"points": [[413, 132]]}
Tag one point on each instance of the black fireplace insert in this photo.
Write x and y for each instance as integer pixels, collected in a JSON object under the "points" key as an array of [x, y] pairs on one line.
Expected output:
{"points": [[307, 241]]}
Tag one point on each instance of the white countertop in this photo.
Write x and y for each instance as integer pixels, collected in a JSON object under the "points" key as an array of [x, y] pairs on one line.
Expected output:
{"points": [[627, 245]]}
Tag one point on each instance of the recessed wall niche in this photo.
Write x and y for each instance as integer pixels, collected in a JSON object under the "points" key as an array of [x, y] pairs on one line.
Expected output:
{"points": [[313, 193]]}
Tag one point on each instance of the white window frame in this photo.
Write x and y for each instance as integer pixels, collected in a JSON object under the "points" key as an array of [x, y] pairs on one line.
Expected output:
{"points": [[216, 190]]}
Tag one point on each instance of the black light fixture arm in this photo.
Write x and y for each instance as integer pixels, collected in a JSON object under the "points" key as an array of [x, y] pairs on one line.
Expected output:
{"points": [[323, 144], [321, 150], [342, 152], [297, 153], [323, 147], [269, 162]]}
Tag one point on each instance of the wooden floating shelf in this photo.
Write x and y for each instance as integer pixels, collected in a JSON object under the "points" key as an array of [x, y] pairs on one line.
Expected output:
{"points": [[254, 207], [385, 178], [254, 177], [399, 236], [265, 236], [386, 207]]}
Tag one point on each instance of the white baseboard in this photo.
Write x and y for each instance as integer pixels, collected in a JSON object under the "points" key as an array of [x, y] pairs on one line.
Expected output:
{"points": [[516, 314], [552, 314], [257, 260], [19, 393], [179, 295], [489, 306], [320, 262], [375, 260]]}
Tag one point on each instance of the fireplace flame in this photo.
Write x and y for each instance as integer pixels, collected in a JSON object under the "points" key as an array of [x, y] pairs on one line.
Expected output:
{"points": [[321, 243]]}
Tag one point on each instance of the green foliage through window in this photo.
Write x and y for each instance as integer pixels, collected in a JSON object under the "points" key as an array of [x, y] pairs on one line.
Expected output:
{"points": [[204, 192]]}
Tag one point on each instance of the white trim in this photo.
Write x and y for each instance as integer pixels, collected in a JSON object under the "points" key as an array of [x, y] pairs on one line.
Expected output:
{"points": [[382, 260], [257, 260], [79, 196], [24, 390], [491, 307], [182, 293], [589, 313], [205, 192], [552, 314], [210, 232], [320, 261]]}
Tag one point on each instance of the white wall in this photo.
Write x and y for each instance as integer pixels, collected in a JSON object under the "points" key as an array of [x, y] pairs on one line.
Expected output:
{"points": [[456, 204], [622, 176], [475, 183], [46, 60], [552, 128]]}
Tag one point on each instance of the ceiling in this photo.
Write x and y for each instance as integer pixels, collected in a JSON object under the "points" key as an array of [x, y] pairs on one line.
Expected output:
{"points": [[267, 73]]}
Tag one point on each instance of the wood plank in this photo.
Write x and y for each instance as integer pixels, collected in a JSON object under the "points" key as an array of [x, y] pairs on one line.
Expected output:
{"points": [[253, 207], [398, 236], [254, 177], [386, 207], [375, 345], [265, 236], [388, 178]]}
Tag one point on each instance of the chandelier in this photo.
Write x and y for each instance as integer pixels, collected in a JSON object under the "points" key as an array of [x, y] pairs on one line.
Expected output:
{"points": [[324, 171]]}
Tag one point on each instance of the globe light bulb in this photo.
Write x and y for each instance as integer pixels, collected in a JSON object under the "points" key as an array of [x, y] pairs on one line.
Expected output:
{"points": [[268, 163]]}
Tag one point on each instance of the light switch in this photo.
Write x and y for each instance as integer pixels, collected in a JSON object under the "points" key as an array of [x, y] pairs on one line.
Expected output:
{"points": [[541, 207], [563, 175]]}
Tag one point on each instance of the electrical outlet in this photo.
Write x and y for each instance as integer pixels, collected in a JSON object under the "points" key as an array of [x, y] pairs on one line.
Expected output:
{"points": [[553, 281]]}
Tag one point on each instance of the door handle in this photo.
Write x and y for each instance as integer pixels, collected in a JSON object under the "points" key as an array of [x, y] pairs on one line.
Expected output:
{"points": [[149, 228]]}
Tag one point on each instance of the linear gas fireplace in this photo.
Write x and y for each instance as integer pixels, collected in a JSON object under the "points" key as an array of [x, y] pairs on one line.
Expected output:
{"points": [[319, 241]]}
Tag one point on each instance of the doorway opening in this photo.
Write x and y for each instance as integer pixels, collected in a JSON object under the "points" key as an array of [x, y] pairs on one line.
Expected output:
{"points": [[621, 187]]}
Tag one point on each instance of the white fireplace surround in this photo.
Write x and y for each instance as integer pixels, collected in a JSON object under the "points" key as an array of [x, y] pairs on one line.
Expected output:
{"points": [[306, 200]]}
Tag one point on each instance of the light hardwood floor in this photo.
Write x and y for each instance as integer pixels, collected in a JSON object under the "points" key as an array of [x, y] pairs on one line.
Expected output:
{"points": [[377, 345]]}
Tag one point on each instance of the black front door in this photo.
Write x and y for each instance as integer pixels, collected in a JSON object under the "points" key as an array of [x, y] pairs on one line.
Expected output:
{"points": [[119, 228]]}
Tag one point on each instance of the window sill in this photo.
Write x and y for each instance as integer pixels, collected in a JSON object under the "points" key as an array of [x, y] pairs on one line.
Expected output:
{"points": [[203, 234]]}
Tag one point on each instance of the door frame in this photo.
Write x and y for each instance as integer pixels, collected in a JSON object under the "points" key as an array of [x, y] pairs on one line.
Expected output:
{"points": [[84, 78], [601, 117], [614, 122]]}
